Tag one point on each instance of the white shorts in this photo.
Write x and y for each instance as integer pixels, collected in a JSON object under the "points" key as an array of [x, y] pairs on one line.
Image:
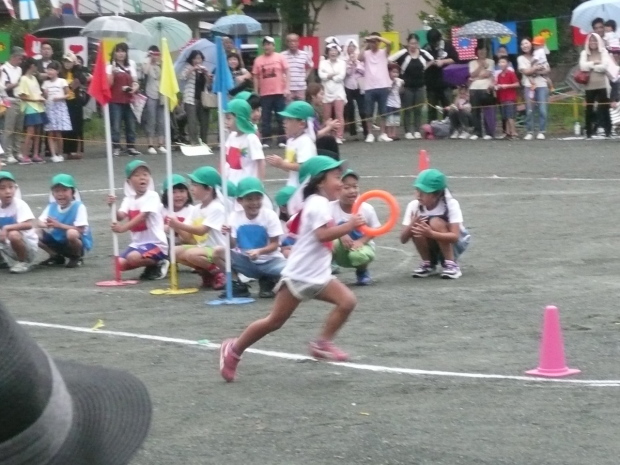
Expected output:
{"points": [[9, 256], [302, 290]]}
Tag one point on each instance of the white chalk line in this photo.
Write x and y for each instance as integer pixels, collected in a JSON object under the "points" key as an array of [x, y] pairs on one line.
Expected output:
{"points": [[303, 358]]}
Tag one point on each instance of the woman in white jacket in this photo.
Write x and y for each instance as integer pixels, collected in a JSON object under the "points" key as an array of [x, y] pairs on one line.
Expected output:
{"points": [[595, 60], [332, 72]]}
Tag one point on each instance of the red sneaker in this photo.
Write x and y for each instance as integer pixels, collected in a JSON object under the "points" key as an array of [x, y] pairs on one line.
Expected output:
{"points": [[228, 360], [327, 350], [219, 281], [207, 279]]}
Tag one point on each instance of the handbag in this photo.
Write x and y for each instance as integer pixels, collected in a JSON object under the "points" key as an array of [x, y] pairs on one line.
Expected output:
{"points": [[581, 77], [208, 99]]}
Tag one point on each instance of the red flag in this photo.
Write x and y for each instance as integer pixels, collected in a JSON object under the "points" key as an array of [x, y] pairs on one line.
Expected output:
{"points": [[9, 6], [99, 86], [579, 37]]}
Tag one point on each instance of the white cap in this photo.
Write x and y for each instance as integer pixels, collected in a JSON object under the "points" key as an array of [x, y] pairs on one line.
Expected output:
{"points": [[269, 39]]}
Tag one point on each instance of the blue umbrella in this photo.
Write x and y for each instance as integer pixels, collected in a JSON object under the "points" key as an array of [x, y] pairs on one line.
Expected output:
{"points": [[237, 25], [205, 47], [222, 83]]}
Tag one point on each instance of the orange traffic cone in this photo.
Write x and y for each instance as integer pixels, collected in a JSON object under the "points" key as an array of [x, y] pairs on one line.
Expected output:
{"points": [[424, 161], [552, 360]]}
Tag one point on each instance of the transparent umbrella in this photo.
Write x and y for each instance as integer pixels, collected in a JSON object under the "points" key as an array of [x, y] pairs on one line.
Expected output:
{"points": [[237, 25], [176, 32], [110, 27], [484, 29]]}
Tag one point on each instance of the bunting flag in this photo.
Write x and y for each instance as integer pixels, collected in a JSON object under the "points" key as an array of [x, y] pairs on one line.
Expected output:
{"points": [[510, 42], [466, 48], [393, 37], [311, 45], [547, 28], [99, 87], [5, 46], [28, 10], [579, 37], [168, 85], [32, 46], [9, 6]]}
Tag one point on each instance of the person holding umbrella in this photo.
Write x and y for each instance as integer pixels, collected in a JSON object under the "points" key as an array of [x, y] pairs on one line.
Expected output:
{"points": [[197, 79]]}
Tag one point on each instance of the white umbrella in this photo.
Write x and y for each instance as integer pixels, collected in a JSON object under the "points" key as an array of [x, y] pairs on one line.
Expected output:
{"points": [[110, 27], [586, 12]]}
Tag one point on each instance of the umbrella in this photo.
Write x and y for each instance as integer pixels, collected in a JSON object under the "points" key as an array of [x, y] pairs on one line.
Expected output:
{"points": [[174, 31], [59, 27], [109, 27], [237, 25], [584, 14], [205, 47], [484, 30]]}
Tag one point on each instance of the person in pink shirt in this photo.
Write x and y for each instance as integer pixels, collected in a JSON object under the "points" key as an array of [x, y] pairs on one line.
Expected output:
{"points": [[271, 83]]}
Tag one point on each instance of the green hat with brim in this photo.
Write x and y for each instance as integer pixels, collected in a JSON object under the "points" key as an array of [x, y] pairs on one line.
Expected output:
{"points": [[284, 195], [245, 95], [207, 176], [317, 165], [431, 180], [231, 189], [7, 175], [177, 180], [242, 111], [133, 166], [350, 172], [65, 180], [298, 110], [250, 185]]}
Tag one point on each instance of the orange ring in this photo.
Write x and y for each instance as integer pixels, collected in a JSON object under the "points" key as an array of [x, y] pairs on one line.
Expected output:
{"points": [[392, 204]]}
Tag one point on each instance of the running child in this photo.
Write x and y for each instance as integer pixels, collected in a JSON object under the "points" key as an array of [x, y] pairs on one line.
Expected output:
{"points": [[354, 250], [201, 232], [506, 85], [287, 239], [434, 222], [394, 102], [33, 108], [141, 208], [55, 90], [300, 144], [255, 239], [183, 205], [65, 233], [307, 274], [18, 239]]}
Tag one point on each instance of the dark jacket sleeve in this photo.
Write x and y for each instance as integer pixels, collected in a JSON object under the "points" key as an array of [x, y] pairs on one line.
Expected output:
{"points": [[615, 91], [452, 53]]}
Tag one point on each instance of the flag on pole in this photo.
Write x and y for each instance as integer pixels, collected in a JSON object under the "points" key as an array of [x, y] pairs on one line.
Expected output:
{"points": [[579, 37], [28, 10], [168, 85], [9, 6], [465, 47], [547, 28], [510, 42], [99, 87]]}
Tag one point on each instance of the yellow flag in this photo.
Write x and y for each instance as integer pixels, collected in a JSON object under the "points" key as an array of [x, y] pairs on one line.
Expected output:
{"points": [[168, 85]]}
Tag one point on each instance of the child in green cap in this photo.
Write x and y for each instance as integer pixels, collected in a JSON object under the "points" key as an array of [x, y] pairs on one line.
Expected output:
{"points": [[434, 222], [65, 233], [140, 215], [307, 274], [18, 239], [300, 145], [183, 204], [287, 239], [257, 111]]}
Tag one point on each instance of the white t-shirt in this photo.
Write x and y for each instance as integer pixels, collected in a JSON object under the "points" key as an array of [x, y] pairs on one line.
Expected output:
{"points": [[242, 154], [183, 213], [310, 260], [212, 216], [81, 217], [18, 212], [455, 215], [524, 63], [482, 84], [55, 88], [393, 100], [255, 233], [150, 231], [109, 69], [298, 150], [366, 210]]}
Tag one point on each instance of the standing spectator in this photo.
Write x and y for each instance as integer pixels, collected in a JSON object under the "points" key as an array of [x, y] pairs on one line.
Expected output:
{"points": [[595, 60], [10, 74], [353, 87], [481, 72], [55, 91], [242, 77], [33, 108], [541, 91], [438, 92], [46, 58], [323, 130], [598, 26], [332, 72], [377, 82], [197, 79], [299, 67], [506, 86], [413, 63], [271, 82], [154, 108], [394, 102], [74, 74]]}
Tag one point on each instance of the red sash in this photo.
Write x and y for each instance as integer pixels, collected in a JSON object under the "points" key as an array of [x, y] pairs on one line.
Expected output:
{"points": [[141, 226]]}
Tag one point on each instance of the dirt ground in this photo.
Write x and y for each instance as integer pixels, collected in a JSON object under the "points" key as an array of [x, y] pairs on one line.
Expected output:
{"points": [[544, 231]]}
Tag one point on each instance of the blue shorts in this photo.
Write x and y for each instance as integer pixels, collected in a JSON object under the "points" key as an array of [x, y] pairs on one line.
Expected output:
{"points": [[146, 251], [60, 248], [458, 248], [508, 110], [378, 96], [35, 119], [241, 263]]}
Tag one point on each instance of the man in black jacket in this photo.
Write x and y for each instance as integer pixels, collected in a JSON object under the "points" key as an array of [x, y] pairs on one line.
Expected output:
{"points": [[438, 93]]}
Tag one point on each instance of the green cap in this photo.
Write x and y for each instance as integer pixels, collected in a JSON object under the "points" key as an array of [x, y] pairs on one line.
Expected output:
{"points": [[243, 112], [7, 175], [350, 172], [176, 180], [245, 95], [431, 180], [207, 176], [133, 166], [65, 180], [250, 185], [231, 189], [284, 195], [298, 110], [317, 165]]}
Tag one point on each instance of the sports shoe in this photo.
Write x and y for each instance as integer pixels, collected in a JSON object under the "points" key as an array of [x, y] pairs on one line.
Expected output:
{"points": [[24, 160], [451, 270], [417, 135], [327, 350], [529, 136], [266, 146], [37, 159], [3, 265], [57, 158], [370, 138], [11, 160], [74, 262], [162, 149], [464, 135], [363, 278], [487, 137], [409, 136], [207, 279], [219, 281], [266, 286], [540, 136], [282, 145], [20, 267], [239, 289], [424, 270], [54, 260], [116, 152], [384, 138], [455, 135], [228, 360], [339, 141], [162, 269], [133, 152], [150, 273], [375, 127], [152, 150]]}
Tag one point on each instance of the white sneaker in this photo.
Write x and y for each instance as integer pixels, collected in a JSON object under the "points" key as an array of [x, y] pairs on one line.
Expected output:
{"points": [[454, 135], [409, 136], [473, 137], [339, 141], [11, 160], [375, 127], [57, 159], [162, 149], [417, 135], [488, 137], [540, 136], [529, 136], [370, 138], [20, 267], [464, 135], [265, 146], [384, 138], [152, 151], [282, 145]]}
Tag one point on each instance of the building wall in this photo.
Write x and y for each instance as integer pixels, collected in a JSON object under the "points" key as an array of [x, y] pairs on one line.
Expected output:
{"points": [[339, 18]]}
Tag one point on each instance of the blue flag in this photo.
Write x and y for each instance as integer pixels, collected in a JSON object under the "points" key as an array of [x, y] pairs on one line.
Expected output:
{"points": [[510, 42], [223, 81]]}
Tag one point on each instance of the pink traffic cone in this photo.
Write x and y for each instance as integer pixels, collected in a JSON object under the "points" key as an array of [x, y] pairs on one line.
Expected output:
{"points": [[424, 161], [552, 360]]}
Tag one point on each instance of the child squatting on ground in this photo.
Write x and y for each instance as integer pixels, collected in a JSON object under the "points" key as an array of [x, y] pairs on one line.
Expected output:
{"points": [[183, 205], [307, 274], [434, 222], [255, 239], [64, 233]]}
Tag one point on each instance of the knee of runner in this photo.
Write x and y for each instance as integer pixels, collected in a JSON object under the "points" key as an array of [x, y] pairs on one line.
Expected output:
{"points": [[276, 321], [348, 302], [437, 224]]}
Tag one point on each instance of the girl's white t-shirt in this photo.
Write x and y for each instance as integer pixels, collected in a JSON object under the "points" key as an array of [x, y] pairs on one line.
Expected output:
{"points": [[212, 216], [55, 88], [183, 213], [366, 210], [455, 215], [298, 150], [21, 212], [243, 151], [152, 230], [310, 260]]}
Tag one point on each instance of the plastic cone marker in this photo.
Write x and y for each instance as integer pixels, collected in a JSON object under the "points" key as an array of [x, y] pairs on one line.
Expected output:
{"points": [[424, 161]]}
